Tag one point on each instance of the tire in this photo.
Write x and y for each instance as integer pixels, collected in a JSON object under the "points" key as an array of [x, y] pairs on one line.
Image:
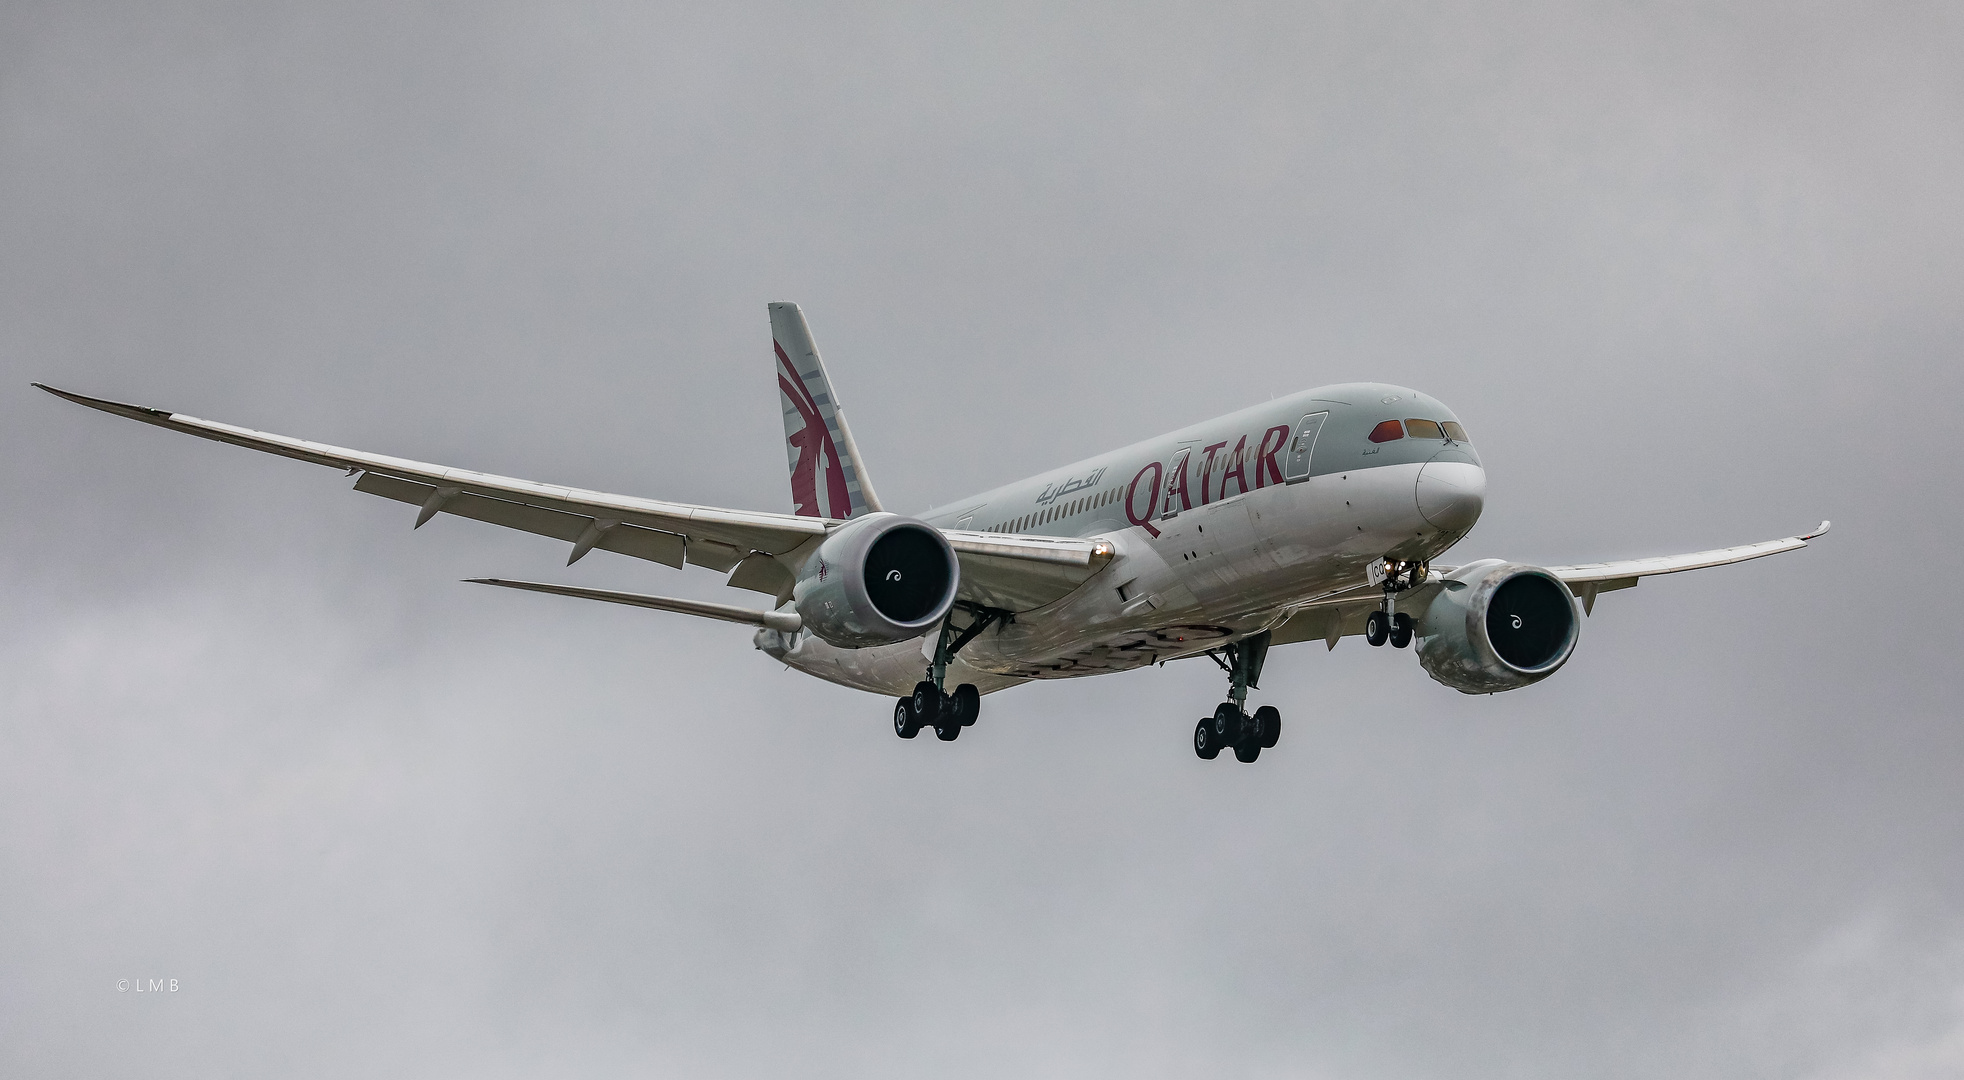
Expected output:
{"points": [[948, 726], [927, 703], [1228, 723], [1246, 752], [1204, 743], [1375, 629], [1401, 630], [968, 703], [905, 724], [1268, 725]]}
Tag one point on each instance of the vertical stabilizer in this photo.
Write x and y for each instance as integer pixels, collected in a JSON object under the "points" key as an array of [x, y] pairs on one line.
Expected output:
{"points": [[827, 477]]}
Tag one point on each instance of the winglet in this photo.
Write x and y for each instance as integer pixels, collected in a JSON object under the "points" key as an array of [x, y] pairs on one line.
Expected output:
{"points": [[1822, 531]]}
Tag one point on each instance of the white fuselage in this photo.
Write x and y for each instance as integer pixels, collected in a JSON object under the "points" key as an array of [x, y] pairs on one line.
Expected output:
{"points": [[1219, 531]]}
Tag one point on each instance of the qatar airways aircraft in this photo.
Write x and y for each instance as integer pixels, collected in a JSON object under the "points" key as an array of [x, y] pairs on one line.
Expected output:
{"points": [[1310, 518]]}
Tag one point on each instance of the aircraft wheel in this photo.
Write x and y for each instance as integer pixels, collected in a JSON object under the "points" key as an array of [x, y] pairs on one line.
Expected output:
{"points": [[1246, 752], [1228, 722], [1401, 630], [1376, 629], [947, 726], [905, 724], [1204, 742], [1268, 725], [968, 703], [927, 703]]}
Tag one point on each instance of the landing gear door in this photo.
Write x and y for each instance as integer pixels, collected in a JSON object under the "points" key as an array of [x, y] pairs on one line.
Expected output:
{"points": [[1302, 445]]}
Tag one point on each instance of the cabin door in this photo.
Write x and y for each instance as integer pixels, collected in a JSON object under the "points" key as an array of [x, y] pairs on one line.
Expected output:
{"points": [[1302, 445]]}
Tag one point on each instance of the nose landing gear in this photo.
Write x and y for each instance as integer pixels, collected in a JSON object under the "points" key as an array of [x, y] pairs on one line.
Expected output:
{"points": [[1386, 623], [1395, 628], [1231, 726]]}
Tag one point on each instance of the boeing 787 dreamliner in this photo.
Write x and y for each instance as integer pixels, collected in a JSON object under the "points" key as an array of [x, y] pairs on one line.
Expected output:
{"points": [[1309, 518]]}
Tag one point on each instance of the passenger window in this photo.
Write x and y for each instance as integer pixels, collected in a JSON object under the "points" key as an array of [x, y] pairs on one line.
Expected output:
{"points": [[1387, 431], [1454, 431], [1424, 429]]}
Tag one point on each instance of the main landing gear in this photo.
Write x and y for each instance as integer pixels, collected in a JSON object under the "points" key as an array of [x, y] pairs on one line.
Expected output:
{"points": [[931, 705], [1386, 623], [1231, 726], [927, 707]]}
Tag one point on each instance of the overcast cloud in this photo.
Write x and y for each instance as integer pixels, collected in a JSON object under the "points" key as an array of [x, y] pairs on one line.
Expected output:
{"points": [[1689, 274]]}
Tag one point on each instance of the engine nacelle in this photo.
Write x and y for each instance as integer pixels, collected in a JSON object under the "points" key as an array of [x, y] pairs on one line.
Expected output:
{"points": [[1497, 626], [877, 580]]}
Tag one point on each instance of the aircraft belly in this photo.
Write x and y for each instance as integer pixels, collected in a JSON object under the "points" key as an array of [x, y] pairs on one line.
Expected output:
{"points": [[891, 670]]}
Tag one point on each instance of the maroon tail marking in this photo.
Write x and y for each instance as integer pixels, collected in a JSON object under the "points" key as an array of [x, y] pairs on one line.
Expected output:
{"points": [[814, 443]]}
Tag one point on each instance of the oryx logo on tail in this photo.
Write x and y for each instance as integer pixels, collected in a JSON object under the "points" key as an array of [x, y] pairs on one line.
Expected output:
{"points": [[827, 478], [812, 448]]}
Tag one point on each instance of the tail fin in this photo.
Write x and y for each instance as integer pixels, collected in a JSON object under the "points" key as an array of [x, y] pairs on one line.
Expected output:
{"points": [[827, 477]]}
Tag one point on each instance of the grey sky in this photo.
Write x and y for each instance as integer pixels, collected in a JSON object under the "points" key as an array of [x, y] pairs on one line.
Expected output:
{"points": [[1689, 274]]}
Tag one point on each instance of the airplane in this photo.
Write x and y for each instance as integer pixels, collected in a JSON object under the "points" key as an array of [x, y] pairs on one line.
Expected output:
{"points": [[1311, 517]]}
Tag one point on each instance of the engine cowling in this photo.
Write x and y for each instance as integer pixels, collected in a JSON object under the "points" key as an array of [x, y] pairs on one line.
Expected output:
{"points": [[1496, 626], [877, 580]]}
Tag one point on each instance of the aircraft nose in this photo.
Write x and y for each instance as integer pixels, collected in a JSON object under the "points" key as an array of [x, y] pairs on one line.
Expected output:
{"points": [[1451, 494]]}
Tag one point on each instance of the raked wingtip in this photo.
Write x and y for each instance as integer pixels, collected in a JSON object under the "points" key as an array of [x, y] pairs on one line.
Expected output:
{"points": [[120, 408]]}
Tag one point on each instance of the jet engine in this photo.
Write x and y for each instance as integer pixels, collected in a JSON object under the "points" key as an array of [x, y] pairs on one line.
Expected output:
{"points": [[1496, 626], [877, 580]]}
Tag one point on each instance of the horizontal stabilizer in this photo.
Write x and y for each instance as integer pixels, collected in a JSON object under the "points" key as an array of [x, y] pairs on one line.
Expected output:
{"points": [[786, 621]]}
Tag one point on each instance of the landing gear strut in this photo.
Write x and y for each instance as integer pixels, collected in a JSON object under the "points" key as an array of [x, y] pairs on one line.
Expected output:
{"points": [[1387, 623], [931, 705], [1231, 726]]}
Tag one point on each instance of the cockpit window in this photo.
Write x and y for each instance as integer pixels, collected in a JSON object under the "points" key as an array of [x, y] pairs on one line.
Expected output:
{"points": [[1387, 431], [1424, 429], [1454, 431]]}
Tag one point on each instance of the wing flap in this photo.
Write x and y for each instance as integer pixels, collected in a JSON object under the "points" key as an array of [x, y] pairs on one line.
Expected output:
{"points": [[631, 540], [1326, 623], [762, 573], [1015, 585], [1020, 572], [715, 556]]}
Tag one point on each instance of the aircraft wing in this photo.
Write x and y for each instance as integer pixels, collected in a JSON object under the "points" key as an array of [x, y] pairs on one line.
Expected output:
{"points": [[1341, 613], [1013, 572], [1586, 580]]}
